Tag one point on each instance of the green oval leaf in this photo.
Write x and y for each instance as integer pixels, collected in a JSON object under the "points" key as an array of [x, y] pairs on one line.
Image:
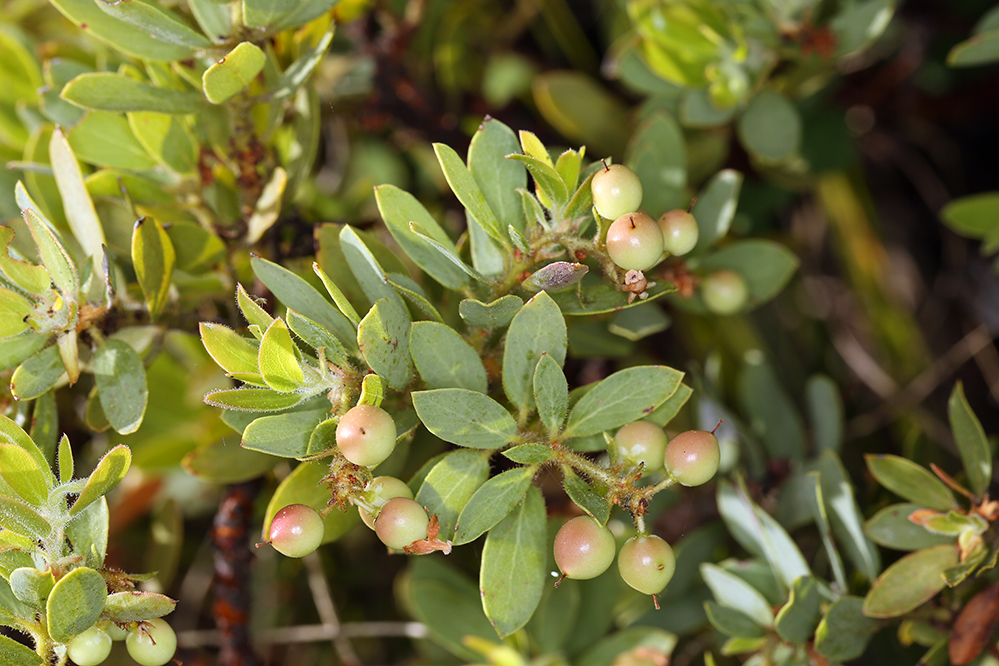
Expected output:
{"points": [[37, 374], [551, 393], [119, 35], [76, 200], [513, 566], [890, 527], [491, 503], [121, 385], [466, 418], [529, 454], [971, 441], [54, 256], [22, 519], [153, 258], [75, 603], [465, 187], [585, 496], [844, 632], [105, 91], [770, 127], [165, 137], [296, 294], [496, 314], [398, 208], [450, 484], [233, 73], [31, 586], [732, 591], [910, 481], [105, 139], [657, 153], [537, 328], [798, 618], [231, 351], [732, 622], [284, 435], [715, 207], [23, 474], [497, 177], [617, 400], [29, 277], [444, 359], [383, 338], [16, 654], [910, 582], [135, 606], [14, 312], [277, 359], [156, 21], [108, 474], [248, 399]]}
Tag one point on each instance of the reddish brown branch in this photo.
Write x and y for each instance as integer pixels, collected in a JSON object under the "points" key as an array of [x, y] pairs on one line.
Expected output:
{"points": [[233, 557]]}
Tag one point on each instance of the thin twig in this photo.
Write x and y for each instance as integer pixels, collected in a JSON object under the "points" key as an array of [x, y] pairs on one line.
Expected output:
{"points": [[312, 633], [327, 610]]}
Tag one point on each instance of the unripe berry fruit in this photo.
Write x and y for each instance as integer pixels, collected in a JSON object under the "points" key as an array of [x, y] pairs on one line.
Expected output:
{"points": [[646, 563], [115, 632], [634, 242], [401, 522], [583, 548], [90, 648], [379, 492], [724, 292], [642, 442], [616, 191], [366, 435], [680, 231], [692, 457], [296, 530], [153, 647]]}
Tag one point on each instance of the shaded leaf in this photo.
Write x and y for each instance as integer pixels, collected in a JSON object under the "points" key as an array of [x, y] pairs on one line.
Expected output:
{"points": [[496, 314], [537, 328], [466, 418], [491, 503], [513, 566], [383, 338], [910, 582], [799, 617], [105, 91], [121, 385], [449, 485], [75, 603], [890, 527], [910, 481], [844, 631], [971, 441], [551, 393], [585, 496], [284, 435], [444, 359], [733, 592], [153, 257], [277, 359], [615, 400], [37, 374]]}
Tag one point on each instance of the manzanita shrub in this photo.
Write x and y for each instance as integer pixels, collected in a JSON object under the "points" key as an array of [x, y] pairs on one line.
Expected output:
{"points": [[423, 374], [53, 542], [345, 386]]}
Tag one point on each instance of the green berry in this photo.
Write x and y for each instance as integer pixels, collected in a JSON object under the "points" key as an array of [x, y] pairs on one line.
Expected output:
{"points": [[724, 292], [680, 231], [634, 242], [115, 632], [646, 563], [296, 530], [401, 522], [154, 645], [366, 435], [90, 648], [583, 548], [692, 457], [616, 191], [379, 492], [642, 442]]}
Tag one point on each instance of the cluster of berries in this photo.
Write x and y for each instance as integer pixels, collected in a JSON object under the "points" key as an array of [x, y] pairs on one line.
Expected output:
{"points": [[366, 436], [150, 643], [636, 242], [584, 548]]}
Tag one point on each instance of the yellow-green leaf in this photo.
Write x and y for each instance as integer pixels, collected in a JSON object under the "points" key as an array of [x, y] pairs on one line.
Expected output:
{"points": [[277, 360], [153, 258]]}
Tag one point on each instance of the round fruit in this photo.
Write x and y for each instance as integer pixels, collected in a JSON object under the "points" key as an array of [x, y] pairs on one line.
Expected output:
{"points": [[634, 242], [583, 548], [153, 646], [90, 648], [616, 191], [366, 435], [642, 442], [401, 522], [724, 292], [680, 231], [115, 632], [646, 563], [296, 530], [692, 457], [379, 491]]}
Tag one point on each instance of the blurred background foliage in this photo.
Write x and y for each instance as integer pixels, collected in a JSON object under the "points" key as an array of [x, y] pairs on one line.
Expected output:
{"points": [[849, 131]]}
